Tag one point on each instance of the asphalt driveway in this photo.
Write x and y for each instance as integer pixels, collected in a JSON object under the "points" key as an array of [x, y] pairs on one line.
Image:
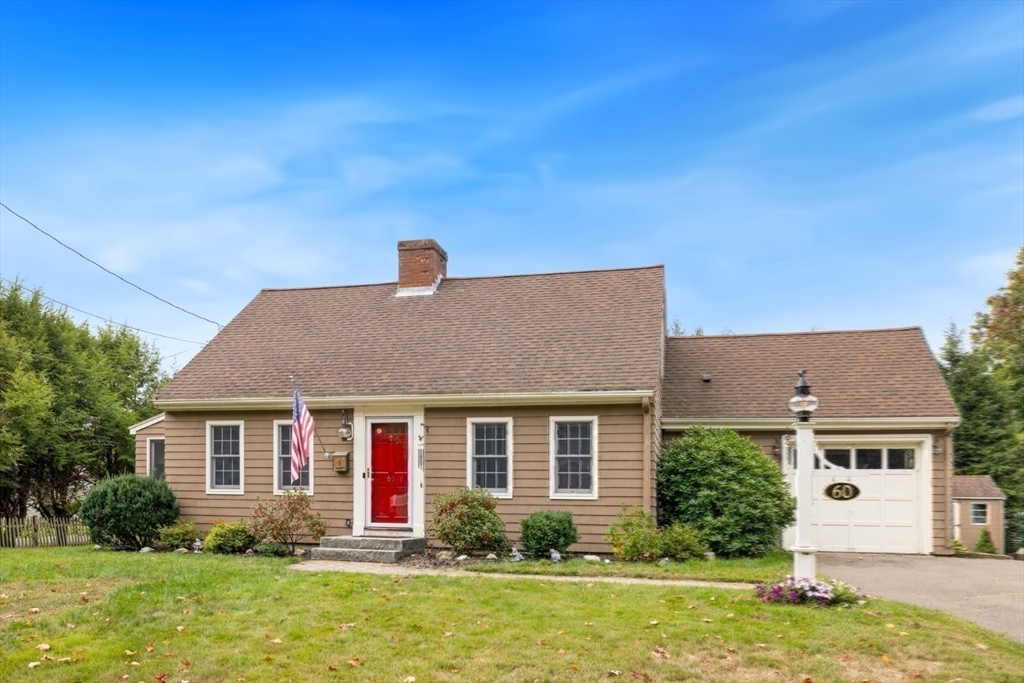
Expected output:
{"points": [[988, 592]]}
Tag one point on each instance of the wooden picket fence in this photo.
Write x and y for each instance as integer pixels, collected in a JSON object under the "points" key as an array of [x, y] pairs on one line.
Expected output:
{"points": [[37, 531]]}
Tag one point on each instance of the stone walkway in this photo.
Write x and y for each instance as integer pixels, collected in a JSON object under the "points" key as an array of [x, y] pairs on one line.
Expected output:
{"points": [[400, 570]]}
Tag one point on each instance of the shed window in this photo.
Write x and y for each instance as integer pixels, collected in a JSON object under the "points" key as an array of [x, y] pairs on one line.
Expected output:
{"points": [[979, 514]]}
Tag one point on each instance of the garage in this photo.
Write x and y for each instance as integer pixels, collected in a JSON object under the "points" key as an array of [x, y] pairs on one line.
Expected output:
{"points": [[870, 495]]}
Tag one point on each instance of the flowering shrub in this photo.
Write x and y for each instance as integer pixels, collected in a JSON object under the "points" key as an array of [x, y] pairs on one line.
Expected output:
{"points": [[287, 519], [802, 591]]}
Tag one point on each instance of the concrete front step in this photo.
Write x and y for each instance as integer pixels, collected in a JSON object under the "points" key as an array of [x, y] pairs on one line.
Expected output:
{"points": [[406, 545], [356, 555]]}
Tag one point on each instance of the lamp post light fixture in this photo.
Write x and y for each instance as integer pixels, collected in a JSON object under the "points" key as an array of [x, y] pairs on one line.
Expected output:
{"points": [[802, 404], [345, 430]]}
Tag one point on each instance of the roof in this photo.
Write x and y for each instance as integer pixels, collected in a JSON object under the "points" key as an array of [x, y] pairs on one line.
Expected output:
{"points": [[579, 331], [855, 374], [975, 486], [148, 422]]}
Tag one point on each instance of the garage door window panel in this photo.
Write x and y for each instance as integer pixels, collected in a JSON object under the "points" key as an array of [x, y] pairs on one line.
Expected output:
{"points": [[899, 458], [869, 458]]}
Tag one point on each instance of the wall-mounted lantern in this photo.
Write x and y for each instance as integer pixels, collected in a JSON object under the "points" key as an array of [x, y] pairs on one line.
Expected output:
{"points": [[345, 430]]}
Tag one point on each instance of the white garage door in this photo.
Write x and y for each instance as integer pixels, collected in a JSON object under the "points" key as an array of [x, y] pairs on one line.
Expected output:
{"points": [[886, 515]]}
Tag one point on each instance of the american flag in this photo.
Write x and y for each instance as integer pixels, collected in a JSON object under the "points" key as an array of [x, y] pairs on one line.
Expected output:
{"points": [[302, 436]]}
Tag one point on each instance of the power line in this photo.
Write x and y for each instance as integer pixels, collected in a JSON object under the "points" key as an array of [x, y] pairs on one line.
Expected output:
{"points": [[107, 270], [100, 317], [75, 362]]}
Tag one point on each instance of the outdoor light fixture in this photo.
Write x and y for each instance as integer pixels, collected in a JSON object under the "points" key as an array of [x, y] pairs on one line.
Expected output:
{"points": [[345, 430], [803, 403]]}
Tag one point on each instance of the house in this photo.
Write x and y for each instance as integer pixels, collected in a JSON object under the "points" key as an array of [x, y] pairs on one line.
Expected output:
{"points": [[977, 504], [553, 391]]}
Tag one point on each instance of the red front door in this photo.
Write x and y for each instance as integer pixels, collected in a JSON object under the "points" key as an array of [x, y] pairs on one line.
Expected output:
{"points": [[389, 478]]}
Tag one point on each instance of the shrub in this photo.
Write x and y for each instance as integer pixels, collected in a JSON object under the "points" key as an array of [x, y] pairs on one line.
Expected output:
{"points": [[128, 510], [229, 538], [681, 542], [181, 534], [984, 543], [466, 520], [272, 549], [634, 536], [287, 519], [724, 486], [548, 529], [813, 591], [959, 547]]}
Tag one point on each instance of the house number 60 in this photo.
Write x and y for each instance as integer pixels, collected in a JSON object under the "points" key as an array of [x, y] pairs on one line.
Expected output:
{"points": [[841, 491]]}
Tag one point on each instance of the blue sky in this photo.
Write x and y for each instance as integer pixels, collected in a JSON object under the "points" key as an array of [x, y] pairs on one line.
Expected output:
{"points": [[794, 165]]}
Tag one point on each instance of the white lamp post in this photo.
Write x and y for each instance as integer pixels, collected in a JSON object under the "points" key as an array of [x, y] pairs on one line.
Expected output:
{"points": [[802, 405]]}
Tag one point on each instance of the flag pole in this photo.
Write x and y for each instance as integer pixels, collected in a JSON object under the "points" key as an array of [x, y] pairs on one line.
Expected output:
{"points": [[291, 378]]}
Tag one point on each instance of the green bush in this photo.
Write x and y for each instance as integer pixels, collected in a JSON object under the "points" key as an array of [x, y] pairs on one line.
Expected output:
{"points": [[681, 542], [181, 534], [466, 520], [634, 536], [287, 519], [984, 543], [127, 511], [229, 538], [725, 487], [272, 549], [548, 529]]}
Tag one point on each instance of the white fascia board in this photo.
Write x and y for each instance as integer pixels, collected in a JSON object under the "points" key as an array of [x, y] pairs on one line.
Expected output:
{"points": [[783, 423], [430, 400], [149, 422]]}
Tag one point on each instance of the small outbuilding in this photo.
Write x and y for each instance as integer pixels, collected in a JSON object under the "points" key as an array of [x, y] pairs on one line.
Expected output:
{"points": [[977, 505]]}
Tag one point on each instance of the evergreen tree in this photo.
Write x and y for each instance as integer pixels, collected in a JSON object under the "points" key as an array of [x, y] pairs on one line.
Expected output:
{"points": [[67, 397]]}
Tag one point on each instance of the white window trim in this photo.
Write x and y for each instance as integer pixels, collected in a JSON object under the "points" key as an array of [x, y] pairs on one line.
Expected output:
{"points": [[278, 491], [149, 454], [507, 421], [970, 514], [552, 448], [240, 491]]}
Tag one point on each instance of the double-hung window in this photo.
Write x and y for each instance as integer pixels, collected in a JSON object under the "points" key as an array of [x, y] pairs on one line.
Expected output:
{"points": [[573, 457], [225, 452], [489, 442], [155, 458], [979, 514], [283, 462]]}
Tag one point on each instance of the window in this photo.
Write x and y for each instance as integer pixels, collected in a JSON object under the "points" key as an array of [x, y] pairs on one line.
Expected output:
{"points": [[155, 466], [574, 457], [283, 462], [226, 457], [838, 457], [979, 514], [489, 442], [869, 458], [899, 458]]}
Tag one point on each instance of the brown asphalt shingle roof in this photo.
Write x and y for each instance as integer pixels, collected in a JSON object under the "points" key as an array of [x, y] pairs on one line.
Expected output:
{"points": [[975, 486], [864, 373], [594, 330]]}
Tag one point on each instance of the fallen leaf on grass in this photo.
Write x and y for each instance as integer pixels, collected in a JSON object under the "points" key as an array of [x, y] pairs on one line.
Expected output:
{"points": [[394, 639], [807, 679], [588, 623], [760, 645], [241, 677], [890, 625], [276, 640], [43, 647], [331, 667], [447, 634], [904, 633], [614, 672], [33, 665], [134, 664], [353, 662], [980, 646], [660, 653], [34, 610], [345, 627], [410, 679], [654, 622], [64, 659], [179, 629], [170, 654], [885, 658], [706, 621], [149, 647], [162, 677], [69, 625], [129, 653]]}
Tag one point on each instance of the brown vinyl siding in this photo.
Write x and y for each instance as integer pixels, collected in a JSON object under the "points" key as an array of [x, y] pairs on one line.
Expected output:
{"points": [[969, 532], [186, 462], [619, 453], [153, 431]]}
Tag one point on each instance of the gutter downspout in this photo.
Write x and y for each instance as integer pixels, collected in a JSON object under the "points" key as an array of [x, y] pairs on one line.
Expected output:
{"points": [[647, 454]]}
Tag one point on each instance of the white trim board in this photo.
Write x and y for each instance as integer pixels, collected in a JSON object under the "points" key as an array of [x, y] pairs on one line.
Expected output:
{"points": [[449, 400], [148, 422], [785, 424], [508, 422]]}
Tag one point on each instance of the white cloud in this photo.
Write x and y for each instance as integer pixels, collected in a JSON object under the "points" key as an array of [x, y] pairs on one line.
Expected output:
{"points": [[1009, 108]]}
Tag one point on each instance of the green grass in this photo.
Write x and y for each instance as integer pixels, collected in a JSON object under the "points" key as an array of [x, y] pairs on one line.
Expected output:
{"points": [[773, 566], [232, 611]]}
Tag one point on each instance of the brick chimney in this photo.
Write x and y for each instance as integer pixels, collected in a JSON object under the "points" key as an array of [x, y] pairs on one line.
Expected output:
{"points": [[421, 263]]}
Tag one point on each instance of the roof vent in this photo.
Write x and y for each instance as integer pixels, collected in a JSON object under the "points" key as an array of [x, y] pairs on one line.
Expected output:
{"points": [[706, 379]]}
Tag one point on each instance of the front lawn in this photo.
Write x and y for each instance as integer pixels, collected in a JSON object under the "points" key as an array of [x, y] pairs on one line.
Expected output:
{"points": [[167, 617], [773, 566]]}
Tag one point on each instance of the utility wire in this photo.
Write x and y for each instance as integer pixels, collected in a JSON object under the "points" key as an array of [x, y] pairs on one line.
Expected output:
{"points": [[100, 317], [75, 362], [105, 269]]}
